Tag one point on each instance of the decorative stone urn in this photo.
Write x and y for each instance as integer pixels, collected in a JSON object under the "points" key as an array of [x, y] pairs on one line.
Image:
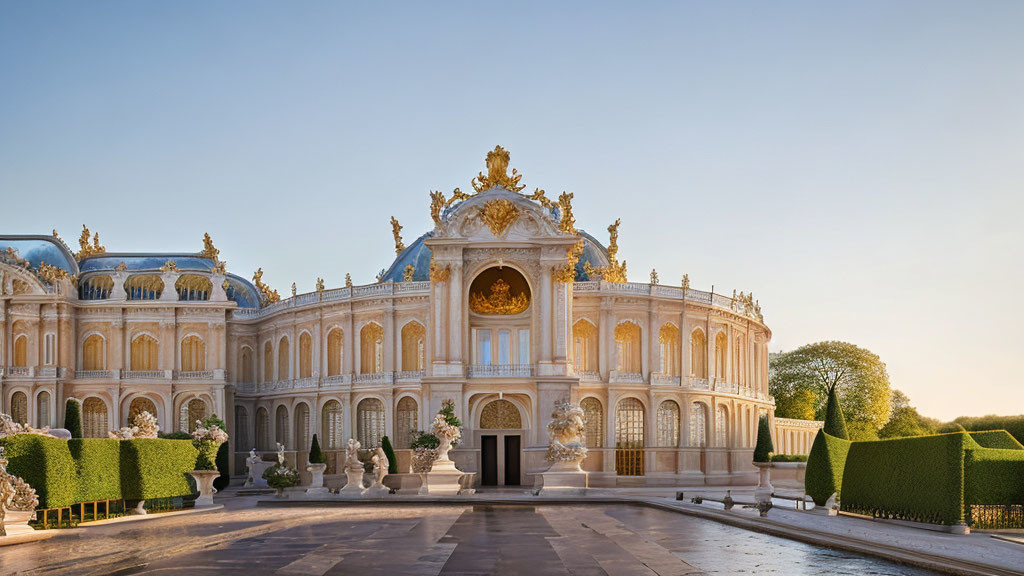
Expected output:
{"points": [[764, 490], [443, 478], [316, 485], [204, 481]]}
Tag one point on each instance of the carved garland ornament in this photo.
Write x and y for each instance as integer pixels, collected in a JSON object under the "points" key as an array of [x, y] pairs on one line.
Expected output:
{"points": [[499, 215]]}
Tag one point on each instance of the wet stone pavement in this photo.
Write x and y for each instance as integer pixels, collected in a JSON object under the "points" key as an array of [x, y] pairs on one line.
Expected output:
{"points": [[449, 540]]}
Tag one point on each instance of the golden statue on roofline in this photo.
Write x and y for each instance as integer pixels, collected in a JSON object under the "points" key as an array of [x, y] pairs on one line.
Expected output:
{"points": [[396, 230], [85, 249], [497, 173], [208, 250]]}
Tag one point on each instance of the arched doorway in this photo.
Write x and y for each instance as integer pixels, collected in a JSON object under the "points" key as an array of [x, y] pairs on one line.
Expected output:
{"points": [[501, 424]]}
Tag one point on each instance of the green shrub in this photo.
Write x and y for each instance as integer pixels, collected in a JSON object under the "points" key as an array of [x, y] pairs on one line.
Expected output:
{"points": [[835, 423], [281, 477], [97, 467], [1000, 439], [919, 478], [421, 439], [223, 454], [789, 457], [73, 418], [1012, 424], [46, 464], [385, 444], [207, 457], [993, 476], [175, 436], [763, 448], [825, 463], [316, 455], [155, 468]]}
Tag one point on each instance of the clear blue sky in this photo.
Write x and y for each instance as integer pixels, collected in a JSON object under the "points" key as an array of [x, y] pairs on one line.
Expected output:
{"points": [[859, 166]]}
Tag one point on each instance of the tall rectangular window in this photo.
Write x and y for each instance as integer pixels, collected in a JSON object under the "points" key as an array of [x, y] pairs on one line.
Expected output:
{"points": [[483, 347], [49, 349], [524, 346], [504, 347]]}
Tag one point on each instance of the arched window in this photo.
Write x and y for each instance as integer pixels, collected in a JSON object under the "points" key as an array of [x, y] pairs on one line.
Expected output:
{"points": [[371, 349], [369, 422], [144, 287], [584, 346], [627, 348], [245, 364], [302, 442], [92, 353], [332, 431], [193, 287], [406, 420], [95, 288], [629, 437], [668, 424], [335, 341], [414, 339], [721, 354], [145, 353], [593, 422], [21, 350], [241, 438], [283, 359], [668, 338], [268, 361], [192, 411], [721, 427], [305, 355], [138, 405], [262, 429], [94, 418], [193, 354], [19, 407], [500, 415], [698, 354], [43, 409], [281, 426], [698, 425]]}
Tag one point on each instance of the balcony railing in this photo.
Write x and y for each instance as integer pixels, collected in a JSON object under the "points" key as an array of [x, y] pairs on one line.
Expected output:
{"points": [[143, 374], [338, 380], [626, 377], [375, 378], [18, 371], [308, 382], [695, 383], [664, 380], [500, 371], [246, 387], [194, 374], [94, 374], [589, 376], [410, 374]]}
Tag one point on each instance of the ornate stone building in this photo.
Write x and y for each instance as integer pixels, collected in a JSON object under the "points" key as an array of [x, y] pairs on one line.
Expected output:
{"points": [[504, 307]]}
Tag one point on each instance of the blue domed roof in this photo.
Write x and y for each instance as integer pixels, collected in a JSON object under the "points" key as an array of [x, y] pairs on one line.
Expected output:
{"points": [[39, 249], [593, 252], [417, 254], [146, 261], [242, 292]]}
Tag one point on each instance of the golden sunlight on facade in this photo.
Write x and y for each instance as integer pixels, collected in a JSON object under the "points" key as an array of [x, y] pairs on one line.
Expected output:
{"points": [[504, 307]]}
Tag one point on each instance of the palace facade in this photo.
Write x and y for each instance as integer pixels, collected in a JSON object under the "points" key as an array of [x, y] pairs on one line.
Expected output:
{"points": [[504, 307]]}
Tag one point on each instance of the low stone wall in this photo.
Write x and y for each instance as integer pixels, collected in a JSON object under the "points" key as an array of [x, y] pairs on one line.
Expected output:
{"points": [[789, 475]]}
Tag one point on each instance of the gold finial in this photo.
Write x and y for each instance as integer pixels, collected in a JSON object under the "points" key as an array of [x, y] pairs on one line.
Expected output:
{"points": [[567, 223], [319, 284], [85, 249], [654, 276], [613, 239], [294, 290], [208, 250], [396, 229], [169, 266], [615, 271], [409, 271], [566, 273], [439, 273], [497, 173], [499, 215], [686, 281], [436, 205], [267, 296], [348, 280]]}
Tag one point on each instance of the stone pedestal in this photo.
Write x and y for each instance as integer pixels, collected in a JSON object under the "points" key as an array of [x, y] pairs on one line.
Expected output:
{"points": [[354, 487], [562, 478], [764, 490], [16, 522], [256, 469], [443, 479], [316, 486], [204, 481], [376, 491]]}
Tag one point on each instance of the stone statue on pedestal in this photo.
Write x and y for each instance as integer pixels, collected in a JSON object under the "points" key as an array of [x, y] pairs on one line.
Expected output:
{"points": [[353, 470], [380, 471], [566, 451]]}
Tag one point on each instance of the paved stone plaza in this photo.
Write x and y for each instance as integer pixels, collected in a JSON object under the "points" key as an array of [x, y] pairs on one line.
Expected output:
{"points": [[460, 539]]}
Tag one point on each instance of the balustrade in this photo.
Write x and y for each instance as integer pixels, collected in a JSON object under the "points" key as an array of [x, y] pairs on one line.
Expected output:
{"points": [[589, 376], [500, 371], [626, 377], [375, 378], [143, 374], [410, 374], [93, 374], [193, 374]]}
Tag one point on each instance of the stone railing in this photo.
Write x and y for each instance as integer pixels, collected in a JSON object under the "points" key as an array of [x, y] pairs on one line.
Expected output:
{"points": [[499, 371], [664, 379], [626, 377], [338, 380], [143, 374], [348, 293], [308, 382], [18, 371], [94, 374], [374, 378], [670, 292], [589, 376], [193, 374], [695, 383], [51, 372], [410, 374], [246, 387]]}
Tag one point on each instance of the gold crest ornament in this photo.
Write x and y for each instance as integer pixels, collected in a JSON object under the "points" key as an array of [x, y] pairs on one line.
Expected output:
{"points": [[396, 230], [499, 215], [51, 274], [615, 272], [497, 173], [408, 274], [567, 223], [566, 273], [85, 249], [208, 250], [169, 266], [267, 296], [500, 301], [439, 273]]}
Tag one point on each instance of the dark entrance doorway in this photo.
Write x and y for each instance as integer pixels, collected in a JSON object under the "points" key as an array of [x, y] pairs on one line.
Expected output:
{"points": [[512, 460], [488, 460]]}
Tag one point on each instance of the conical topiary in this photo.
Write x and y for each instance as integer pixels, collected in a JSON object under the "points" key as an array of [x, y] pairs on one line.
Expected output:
{"points": [[825, 464], [764, 448], [73, 418], [835, 423], [385, 444], [316, 455]]}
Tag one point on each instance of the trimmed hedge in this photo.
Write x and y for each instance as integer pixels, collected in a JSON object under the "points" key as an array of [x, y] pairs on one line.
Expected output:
{"points": [[155, 468], [789, 458], [919, 478], [825, 464], [97, 467], [835, 422], [46, 464], [763, 448], [73, 418], [224, 480], [993, 476], [1000, 439], [389, 451]]}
